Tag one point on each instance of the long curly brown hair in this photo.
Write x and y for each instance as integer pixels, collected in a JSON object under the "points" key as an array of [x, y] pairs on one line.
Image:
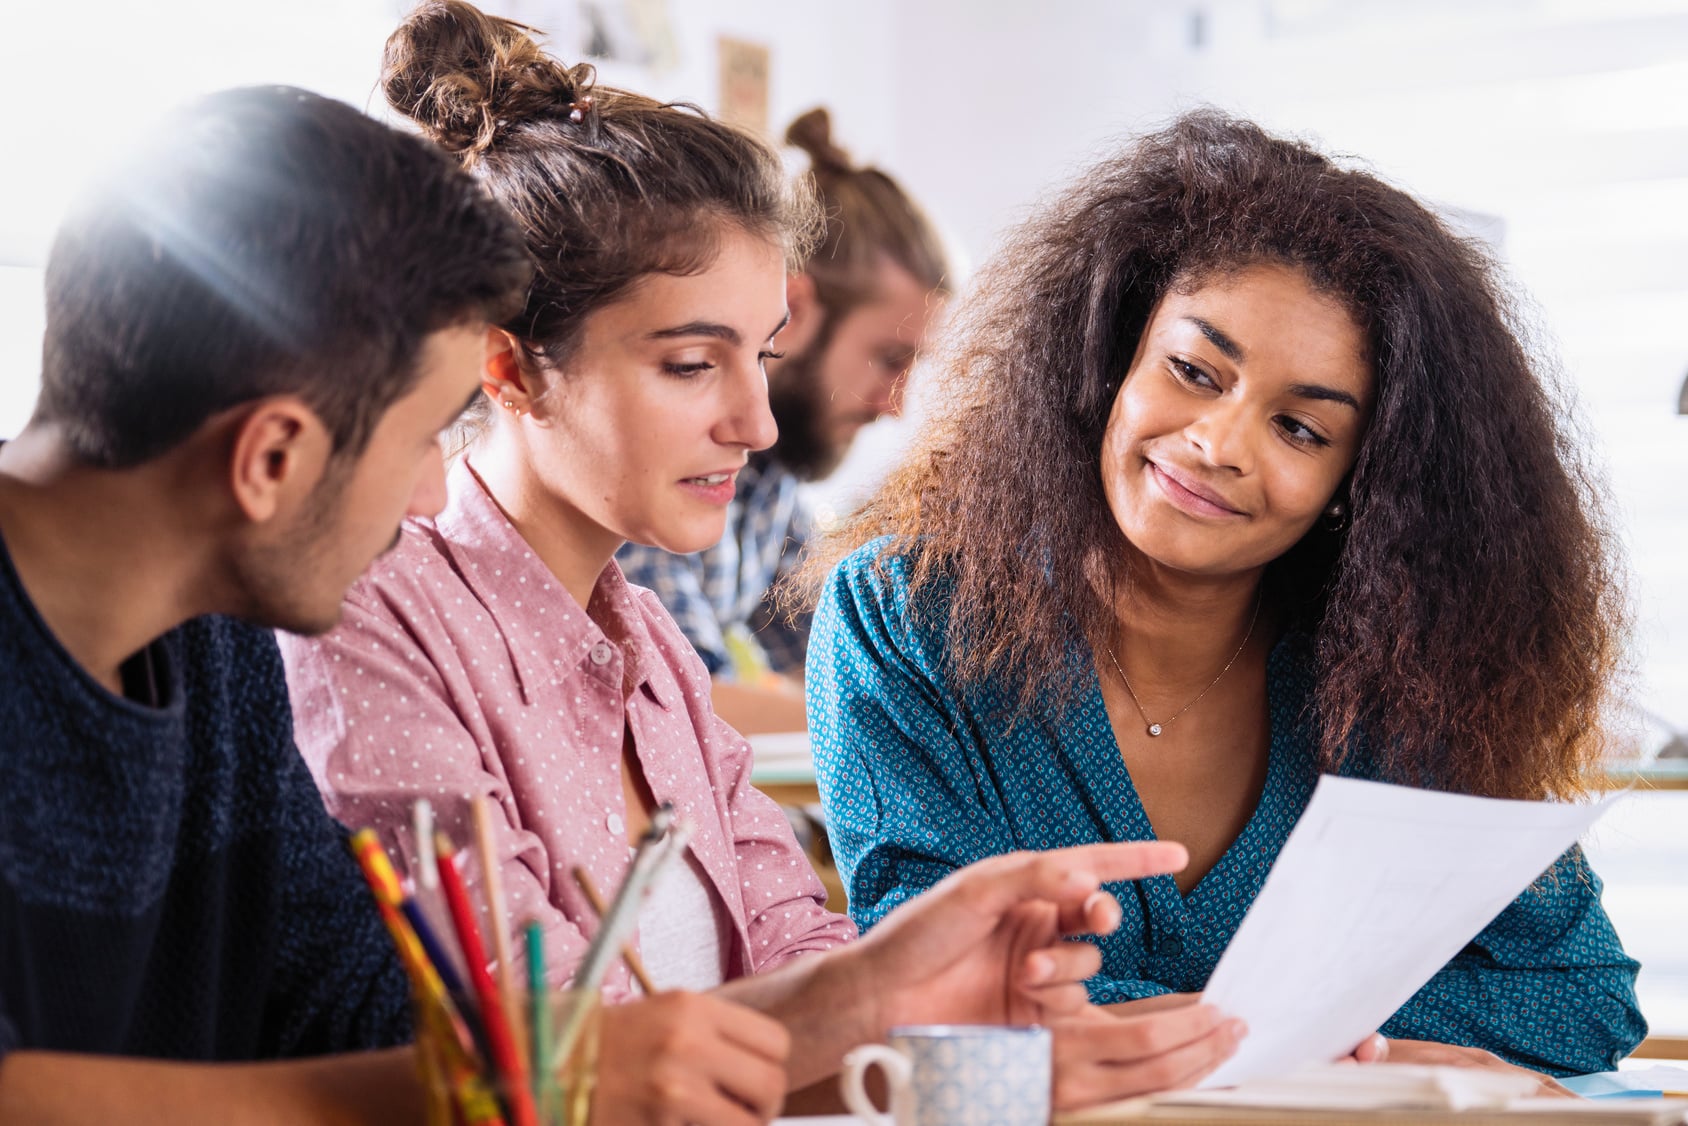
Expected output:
{"points": [[1466, 624]]}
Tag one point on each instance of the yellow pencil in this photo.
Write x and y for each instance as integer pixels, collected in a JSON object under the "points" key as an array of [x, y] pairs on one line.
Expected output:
{"points": [[438, 1015]]}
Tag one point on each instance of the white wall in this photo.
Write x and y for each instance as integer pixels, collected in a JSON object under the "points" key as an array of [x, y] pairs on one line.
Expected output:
{"points": [[77, 90]]}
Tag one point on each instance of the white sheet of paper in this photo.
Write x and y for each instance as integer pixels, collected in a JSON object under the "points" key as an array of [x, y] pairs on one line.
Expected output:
{"points": [[1376, 888]]}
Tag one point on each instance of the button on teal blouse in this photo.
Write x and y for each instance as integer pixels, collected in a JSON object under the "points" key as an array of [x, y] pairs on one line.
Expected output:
{"points": [[919, 779]]}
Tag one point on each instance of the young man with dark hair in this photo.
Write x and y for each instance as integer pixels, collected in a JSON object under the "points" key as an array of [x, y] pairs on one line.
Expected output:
{"points": [[255, 333]]}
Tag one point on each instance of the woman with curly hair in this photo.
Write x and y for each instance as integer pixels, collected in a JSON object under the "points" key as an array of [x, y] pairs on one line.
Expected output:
{"points": [[1248, 475]]}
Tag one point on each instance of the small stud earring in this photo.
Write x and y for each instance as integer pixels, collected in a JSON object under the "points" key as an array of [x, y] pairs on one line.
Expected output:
{"points": [[1336, 516], [509, 404]]}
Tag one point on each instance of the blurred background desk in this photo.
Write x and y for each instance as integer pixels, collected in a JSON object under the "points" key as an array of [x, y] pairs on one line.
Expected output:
{"points": [[784, 770], [1660, 774]]}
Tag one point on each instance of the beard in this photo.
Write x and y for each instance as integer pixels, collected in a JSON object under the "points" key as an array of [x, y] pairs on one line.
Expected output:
{"points": [[281, 579], [276, 590], [803, 447]]}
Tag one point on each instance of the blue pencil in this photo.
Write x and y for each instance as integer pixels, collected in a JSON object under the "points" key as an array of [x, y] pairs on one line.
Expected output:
{"points": [[431, 943]]}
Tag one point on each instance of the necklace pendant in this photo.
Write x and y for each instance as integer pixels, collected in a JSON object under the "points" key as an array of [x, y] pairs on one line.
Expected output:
{"points": [[1154, 729]]}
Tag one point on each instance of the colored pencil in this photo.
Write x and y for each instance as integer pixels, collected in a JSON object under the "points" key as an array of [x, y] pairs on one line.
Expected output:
{"points": [[664, 840], [583, 880], [431, 945], [438, 1015], [389, 897], [539, 1016], [487, 846], [427, 864], [510, 1066]]}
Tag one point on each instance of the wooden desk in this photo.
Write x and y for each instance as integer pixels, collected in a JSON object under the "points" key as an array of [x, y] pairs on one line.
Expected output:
{"points": [[1663, 1048], [783, 769], [787, 790], [1666, 774]]}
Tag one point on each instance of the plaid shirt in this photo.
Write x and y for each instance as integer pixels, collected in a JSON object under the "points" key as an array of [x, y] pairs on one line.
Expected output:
{"points": [[723, 590]]}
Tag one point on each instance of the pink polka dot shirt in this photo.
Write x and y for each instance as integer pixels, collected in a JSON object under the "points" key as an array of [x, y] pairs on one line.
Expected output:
{"points": [[463, 667]]}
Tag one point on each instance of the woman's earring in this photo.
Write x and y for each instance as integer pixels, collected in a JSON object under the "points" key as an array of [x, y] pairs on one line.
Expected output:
{"points": [[1336, 516]]}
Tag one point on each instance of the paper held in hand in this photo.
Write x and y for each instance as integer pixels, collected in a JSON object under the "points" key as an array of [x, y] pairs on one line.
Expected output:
{"points": [[1376, 888]]}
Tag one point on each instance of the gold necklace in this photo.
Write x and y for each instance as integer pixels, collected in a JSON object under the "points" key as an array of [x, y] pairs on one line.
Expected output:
{"points": [[1156, 728]]}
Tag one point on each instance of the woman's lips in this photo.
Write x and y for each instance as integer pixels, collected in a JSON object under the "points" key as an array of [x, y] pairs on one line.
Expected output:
{"points": [[716, 488], [1189, 495]]}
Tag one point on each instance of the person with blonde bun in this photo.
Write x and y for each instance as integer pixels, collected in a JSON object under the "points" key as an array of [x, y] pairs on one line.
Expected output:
{"points": [[862, 307], [498, 652]]}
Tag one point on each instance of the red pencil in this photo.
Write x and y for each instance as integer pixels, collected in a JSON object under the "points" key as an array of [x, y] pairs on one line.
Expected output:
{"points": [[502, 1044]]}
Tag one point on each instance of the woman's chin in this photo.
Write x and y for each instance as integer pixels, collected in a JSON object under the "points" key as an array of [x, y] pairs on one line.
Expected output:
{"points": [[684, 540], [1205, 561]]}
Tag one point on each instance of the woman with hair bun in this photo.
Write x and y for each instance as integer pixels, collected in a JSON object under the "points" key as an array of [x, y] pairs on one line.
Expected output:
{"points": [[861, 309], [1248, 474], [497, 652]]}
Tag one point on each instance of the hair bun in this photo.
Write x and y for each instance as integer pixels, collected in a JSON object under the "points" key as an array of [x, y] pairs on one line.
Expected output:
{"points": [[812, 133], [463, 75]]}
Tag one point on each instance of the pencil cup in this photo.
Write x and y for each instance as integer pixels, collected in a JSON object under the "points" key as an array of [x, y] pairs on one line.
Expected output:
{"points": [[460, 1090], [954, 1075]]}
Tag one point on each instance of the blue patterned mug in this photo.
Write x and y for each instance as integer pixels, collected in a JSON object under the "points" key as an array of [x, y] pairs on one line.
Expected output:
{"points": [[954, 1075]]}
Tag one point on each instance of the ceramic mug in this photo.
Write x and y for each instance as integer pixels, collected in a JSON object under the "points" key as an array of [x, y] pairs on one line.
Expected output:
{"points": [[954, 1075]]}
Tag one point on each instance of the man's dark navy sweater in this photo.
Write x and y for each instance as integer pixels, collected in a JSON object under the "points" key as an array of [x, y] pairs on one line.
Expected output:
{"points": [[170, 884]]}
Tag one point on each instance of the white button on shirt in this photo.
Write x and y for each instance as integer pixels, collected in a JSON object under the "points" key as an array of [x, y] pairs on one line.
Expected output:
{"points": [[601, 653], [615, 824]]}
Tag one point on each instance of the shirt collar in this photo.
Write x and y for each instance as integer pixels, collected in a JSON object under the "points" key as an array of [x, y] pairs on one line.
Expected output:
{"points": [[511, 582]]}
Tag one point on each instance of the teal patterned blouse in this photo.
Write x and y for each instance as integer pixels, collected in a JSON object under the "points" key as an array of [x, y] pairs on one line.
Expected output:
{"points": [[919, 779]]}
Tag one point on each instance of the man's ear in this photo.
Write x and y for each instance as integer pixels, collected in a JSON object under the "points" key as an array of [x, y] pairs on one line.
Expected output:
{"points": [[807, 315], [502, 378], [281, 449]]}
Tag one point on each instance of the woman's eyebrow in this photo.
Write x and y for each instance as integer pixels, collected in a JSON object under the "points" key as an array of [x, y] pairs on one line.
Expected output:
{"points": [[710, 328], [1233, 351], [1323, 394], [698, 328]]}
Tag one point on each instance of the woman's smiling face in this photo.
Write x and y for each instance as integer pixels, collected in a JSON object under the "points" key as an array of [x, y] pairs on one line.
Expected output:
{"points": [[1240, 417]]}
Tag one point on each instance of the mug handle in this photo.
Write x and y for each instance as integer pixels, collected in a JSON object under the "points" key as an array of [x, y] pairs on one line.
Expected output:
{"points": [[898, 1072]]}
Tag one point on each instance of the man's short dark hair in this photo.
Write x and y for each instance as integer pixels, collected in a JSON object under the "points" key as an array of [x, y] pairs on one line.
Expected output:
{"points": [[266, 241]]}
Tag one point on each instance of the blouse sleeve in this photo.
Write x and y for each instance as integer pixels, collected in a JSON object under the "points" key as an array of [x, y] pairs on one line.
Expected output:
{"points": [[1547, 985], [378, 727]]}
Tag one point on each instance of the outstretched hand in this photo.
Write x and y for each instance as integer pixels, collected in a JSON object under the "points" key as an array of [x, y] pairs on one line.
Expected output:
{"points": [[987, 945]]}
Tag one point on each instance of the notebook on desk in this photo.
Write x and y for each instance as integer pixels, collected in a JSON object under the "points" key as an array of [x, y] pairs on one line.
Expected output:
{"points": [[1382, 1093]]}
